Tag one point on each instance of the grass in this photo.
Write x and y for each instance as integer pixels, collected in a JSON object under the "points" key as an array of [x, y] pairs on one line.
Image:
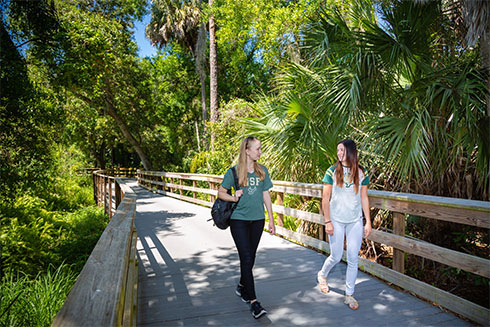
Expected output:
{"points": [[34, 302]]}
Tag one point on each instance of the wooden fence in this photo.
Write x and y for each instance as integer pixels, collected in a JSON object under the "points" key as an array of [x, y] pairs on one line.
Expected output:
{"points": [[105, 293], [103, 182], [466, 212]]}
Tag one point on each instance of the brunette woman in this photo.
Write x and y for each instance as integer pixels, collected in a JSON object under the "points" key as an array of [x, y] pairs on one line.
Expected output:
{"points": [[344, 200]]}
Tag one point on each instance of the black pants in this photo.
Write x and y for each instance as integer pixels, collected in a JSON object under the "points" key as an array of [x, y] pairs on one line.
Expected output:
{"points": [[246, 235]]}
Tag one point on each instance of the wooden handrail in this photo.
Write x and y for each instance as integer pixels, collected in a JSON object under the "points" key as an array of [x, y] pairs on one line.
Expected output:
{"points": [[466, 212], [105, 293]]}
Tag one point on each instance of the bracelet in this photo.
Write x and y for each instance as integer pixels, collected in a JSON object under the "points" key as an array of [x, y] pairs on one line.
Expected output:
{"points": [[328, 222]]}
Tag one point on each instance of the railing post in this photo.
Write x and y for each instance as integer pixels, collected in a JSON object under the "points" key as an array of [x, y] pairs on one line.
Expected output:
{"points": [[105, 194], [96, 190], [96, 196], [212, 185], [194, 185], [280, 216], [180, 190], [99, 190], [398, 229], [321, 231], [110, 197], [118, 193], [94, 181]]}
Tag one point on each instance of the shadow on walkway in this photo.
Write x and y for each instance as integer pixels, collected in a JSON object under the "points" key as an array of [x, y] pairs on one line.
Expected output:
{"points": [[188, 271]]}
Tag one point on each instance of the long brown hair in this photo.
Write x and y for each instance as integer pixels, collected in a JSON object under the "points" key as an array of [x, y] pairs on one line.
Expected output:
{"points": [[242, 163], [352, 161]]}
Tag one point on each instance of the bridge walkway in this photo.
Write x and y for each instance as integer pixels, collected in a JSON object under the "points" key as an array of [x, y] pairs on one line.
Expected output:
{"points": [[188, 271]]}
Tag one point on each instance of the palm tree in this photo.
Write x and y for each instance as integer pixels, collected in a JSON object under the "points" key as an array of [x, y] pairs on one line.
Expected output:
{"points": [[213, 72], [412, 101], [181, 22], [471, 22]]}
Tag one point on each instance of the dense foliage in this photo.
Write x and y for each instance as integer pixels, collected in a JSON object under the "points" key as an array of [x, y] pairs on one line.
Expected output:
{"points": [[398, 76], [414, 104], [45, 239]]}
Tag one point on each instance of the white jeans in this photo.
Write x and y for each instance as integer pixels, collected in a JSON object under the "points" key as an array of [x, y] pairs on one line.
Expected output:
{"points": [[353, 233]]}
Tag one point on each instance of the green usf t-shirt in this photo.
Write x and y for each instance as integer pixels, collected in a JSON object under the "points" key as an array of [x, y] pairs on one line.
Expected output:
{"points": [[251, 204]]}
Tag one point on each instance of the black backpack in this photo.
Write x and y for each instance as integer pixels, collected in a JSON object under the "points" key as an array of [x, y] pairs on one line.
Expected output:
{"points": [[222, 210]]}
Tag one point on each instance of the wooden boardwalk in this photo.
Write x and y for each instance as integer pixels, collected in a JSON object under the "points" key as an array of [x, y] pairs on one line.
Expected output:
{"points": [[188, 270]]}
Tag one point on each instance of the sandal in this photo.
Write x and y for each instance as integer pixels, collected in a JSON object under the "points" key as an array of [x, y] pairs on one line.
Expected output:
{"points": [[322, 281], [351, 302]]}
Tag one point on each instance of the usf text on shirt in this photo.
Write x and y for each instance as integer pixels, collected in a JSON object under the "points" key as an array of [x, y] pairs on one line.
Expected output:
{"points": [[345, 204], [251, 205]]}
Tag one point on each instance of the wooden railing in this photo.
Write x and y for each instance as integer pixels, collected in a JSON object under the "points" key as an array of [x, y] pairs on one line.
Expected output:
{"points": [[105, 293], [103, 182], [113, 171], [466, 212]]}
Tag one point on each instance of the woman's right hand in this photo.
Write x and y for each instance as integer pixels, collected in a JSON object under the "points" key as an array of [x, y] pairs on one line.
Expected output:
{"points": [[329, 228], [238, 194]]}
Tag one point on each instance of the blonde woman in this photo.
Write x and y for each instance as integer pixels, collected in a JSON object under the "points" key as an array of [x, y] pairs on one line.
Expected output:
{"points": [[248, 219], [344, 200]]}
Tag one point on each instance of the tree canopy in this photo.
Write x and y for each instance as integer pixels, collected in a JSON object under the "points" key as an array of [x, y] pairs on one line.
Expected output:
{"points": [[398, 76]]}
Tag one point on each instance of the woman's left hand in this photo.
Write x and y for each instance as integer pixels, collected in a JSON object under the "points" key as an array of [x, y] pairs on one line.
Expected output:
{"points": [[367, 230], [272, 228]]}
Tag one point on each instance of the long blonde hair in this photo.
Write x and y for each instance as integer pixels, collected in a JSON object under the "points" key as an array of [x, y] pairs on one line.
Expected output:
{"points": [[242, 163]]}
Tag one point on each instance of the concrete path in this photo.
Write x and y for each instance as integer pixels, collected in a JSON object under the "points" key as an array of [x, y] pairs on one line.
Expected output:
{"points": [[188, 271]]}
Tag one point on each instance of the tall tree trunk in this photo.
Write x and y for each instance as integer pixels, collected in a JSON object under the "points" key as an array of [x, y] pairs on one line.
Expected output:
{"points": [[111, 111], [213, 72], [202, 78], [476, 14], [196, 125], [98, 153], [201, 67], [485, 58]]}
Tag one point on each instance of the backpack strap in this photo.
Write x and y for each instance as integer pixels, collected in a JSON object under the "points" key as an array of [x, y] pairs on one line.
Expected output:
{"points": [[235, 177], [237, 184]]}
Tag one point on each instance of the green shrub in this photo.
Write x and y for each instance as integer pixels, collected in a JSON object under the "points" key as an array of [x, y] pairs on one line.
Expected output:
{"points": [[228, 133], [70, 193], [212, 162], [81, 231], [51, 223], [27, 235], [32, 238], [68, 189]]}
